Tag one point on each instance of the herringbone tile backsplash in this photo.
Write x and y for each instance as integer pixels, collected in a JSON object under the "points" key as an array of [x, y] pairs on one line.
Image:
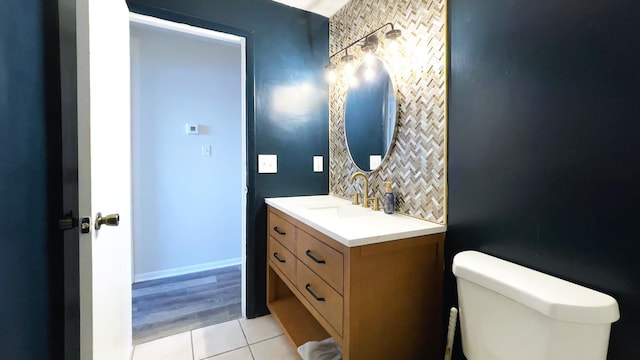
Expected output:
{"points": [[416, 163]]}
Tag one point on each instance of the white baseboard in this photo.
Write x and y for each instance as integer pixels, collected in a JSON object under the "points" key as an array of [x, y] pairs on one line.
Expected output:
{"points": [[186, 270]]}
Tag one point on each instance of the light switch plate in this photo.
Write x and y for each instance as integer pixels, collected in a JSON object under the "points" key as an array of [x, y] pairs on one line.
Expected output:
{"points": [[317, 164], [206, 150], [267, 164]]}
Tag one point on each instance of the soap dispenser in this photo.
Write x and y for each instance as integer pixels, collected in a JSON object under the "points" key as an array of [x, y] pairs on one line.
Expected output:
{"points": [[389, 199]]}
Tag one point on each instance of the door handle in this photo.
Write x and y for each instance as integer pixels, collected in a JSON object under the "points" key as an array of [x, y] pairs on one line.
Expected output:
{"points": [[109, 220]]}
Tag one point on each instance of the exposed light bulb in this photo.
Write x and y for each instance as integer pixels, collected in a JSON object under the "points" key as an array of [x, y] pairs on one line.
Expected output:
{"points": [[354, 82], [348, 69], [393, 46], [368, 59], [331, 76], [369, 74], [330, 73]]}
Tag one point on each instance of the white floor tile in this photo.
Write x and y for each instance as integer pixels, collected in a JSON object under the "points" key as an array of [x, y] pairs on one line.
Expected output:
{"points": [[216, 339], [278, 348], [240, 354], [175, 347], [262, 328]]}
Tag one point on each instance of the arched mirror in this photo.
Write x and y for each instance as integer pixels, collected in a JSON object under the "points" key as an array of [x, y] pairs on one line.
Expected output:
{"points": [[370, 115]]}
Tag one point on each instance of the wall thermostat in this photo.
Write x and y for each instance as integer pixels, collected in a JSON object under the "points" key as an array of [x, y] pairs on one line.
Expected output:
{"points": [[192, 129]]}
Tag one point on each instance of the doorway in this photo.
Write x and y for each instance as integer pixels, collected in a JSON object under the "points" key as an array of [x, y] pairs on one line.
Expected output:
{"points": [[188, 172]]}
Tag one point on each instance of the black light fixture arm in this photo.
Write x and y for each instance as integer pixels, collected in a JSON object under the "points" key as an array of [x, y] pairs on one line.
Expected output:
{"points": [[346, 48]]}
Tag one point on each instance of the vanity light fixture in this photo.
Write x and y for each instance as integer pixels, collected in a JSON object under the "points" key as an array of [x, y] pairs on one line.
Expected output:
{"points": [[354, 82], [368, 59], [368, 45], [330, 73], [348, 63], [393, 36], [369, 74], [369, 48]]}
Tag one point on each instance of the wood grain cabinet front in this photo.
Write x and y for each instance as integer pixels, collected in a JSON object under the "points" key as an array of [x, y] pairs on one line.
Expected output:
{"points": [[283, 231], [378, 301], [282, 259], [321, 296], [324, 260]]}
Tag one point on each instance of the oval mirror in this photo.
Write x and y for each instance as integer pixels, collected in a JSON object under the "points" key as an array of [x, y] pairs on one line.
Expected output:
{"points": [[370, 115]]}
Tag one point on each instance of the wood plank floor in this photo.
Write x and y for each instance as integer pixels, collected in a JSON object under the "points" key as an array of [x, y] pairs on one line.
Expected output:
{"points": [[177, 304]]}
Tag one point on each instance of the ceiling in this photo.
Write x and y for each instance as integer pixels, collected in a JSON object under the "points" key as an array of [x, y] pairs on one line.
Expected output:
{"points": [[323, 7]]}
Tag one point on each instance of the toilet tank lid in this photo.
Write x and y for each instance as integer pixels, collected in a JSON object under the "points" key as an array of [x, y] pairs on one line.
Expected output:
{"points": [[558, 299]]}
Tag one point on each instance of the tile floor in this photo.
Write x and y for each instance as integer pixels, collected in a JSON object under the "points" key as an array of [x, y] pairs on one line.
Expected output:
{"points": [[243, 339]]}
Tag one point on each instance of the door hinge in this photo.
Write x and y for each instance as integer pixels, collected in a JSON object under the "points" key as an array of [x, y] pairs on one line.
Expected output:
{"points": [[68, 222]]}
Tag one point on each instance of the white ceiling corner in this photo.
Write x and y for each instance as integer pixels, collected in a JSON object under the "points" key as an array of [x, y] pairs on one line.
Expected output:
{"points": [[323, 7]]}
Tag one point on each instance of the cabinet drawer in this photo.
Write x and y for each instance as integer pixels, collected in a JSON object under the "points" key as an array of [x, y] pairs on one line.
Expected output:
{"points": [[282, 259], [321, 296], [325, 261], [283, 231]]}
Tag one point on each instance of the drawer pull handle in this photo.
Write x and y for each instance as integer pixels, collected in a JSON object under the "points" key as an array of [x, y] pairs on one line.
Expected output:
{"points": [[308, 287], [315, 258], [275, 255], [280, 232]]}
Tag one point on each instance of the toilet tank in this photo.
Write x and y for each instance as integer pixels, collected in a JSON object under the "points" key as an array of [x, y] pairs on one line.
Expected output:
{"points": [[511, 312]]}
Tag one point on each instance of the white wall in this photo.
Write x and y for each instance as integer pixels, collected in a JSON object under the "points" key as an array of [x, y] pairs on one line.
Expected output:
{"points": [[186, 207]]}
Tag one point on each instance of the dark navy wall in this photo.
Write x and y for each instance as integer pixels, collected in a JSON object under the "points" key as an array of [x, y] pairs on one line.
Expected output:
{"points": [[24, 299], [286, 53], [544, 128]]}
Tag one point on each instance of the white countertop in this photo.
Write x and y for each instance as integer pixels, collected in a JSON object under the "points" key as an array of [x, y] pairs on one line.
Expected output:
{"points": [[352, 225]]}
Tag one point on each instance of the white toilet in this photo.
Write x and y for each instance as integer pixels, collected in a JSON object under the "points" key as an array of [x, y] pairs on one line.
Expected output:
{"points": [[510, 312]]}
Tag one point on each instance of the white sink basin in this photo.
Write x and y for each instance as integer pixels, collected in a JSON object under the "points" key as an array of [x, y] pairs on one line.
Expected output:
{"points": [[342, 211]]}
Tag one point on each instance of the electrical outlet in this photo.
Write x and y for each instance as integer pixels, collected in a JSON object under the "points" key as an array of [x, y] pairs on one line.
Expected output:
{"points": [[374, 161], [267, 164]]}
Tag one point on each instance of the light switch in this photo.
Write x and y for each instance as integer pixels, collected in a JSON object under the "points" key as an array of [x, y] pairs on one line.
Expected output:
{"points": [[206, 150], [267, 164], [317, 164]]}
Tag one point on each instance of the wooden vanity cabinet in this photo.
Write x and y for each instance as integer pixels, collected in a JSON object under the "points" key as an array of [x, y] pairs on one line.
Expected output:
{"points": [[378, 301]]}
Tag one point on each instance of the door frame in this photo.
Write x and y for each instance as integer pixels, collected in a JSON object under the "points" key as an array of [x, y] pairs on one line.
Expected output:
{"points": [[69, 300], [228, 38], [255, 303], [69, 175]]}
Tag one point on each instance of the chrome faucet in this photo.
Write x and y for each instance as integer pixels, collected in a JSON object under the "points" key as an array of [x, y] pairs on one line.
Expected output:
{"points": [[365, 195]]}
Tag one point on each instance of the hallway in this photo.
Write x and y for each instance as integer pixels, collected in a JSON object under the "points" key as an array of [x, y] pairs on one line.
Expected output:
{"points": [[176, 304]]}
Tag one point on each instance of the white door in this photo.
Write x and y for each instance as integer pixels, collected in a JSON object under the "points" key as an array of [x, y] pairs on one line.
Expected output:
{"points": [[104, 172]]}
